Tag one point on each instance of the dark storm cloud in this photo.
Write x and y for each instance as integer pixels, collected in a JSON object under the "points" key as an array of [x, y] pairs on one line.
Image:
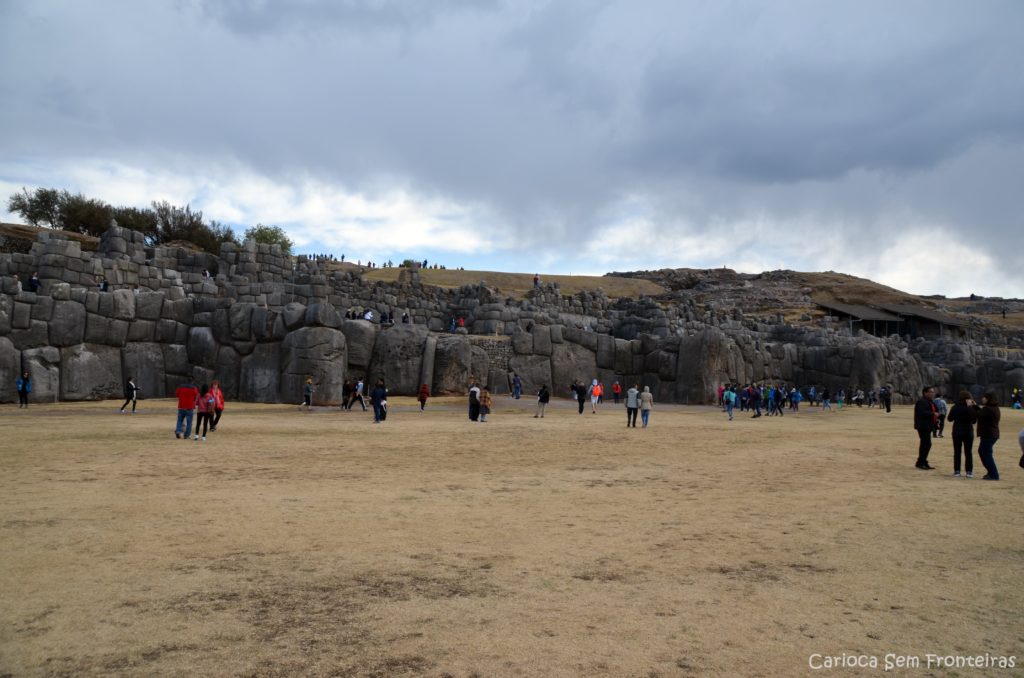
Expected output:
{"points": [[555, 116], [873, 90]]}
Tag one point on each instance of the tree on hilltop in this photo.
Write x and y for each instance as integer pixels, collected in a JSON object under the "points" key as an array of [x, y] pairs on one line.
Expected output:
{"points": [[62, 210], [270, 235]]}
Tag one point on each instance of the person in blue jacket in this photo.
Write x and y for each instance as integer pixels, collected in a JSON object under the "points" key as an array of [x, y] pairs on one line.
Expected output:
{"points": [[24, 384]]}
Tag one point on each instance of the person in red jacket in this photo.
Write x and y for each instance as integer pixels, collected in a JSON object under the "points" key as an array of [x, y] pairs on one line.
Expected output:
{"points": [[187, 395], [616, 391], [423, 395], [218, 404]]}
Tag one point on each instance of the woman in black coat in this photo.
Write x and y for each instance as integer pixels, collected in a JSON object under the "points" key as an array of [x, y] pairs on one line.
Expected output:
{"points": [[963, 414], [988, 434]]}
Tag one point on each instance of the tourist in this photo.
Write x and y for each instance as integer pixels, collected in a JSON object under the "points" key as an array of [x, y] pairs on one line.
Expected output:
{"points": [[721, 396], [988, 434], [379, 401], [595, 395], [795, 398], [423, 395], [187, 394], [307, 393], [729, 398], [33, 282], [536, 281], [485, 405], [812, 396], [925, 417], [616, 391], [517, 386], [940, 409], [358, 395], [580, 392], [218, 403], [886, 394], [632, 405], [204, 407], [474, 401], [24, 386], [755, 401], [346, 393], [826, 399], [542, 401], [131, 394], [646, 403], [840, 397], [963, 414]]}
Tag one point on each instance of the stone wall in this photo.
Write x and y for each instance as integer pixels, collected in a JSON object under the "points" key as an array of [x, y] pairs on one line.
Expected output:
{"points": [[260, 322]]}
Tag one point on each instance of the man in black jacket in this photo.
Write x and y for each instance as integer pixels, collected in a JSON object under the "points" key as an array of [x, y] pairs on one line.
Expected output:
{"points": [[925, 418]]}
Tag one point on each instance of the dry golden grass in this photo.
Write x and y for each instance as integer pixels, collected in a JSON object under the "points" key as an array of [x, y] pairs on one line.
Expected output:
{"points": [[518, 284], [317, 543]]}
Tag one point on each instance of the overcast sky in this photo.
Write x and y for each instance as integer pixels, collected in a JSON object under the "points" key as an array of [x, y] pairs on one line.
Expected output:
{"points": [[880, 139]]}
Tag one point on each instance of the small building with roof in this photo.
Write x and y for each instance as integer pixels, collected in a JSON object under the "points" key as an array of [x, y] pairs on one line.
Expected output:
{"points": [[872, 320], [920, 321]]}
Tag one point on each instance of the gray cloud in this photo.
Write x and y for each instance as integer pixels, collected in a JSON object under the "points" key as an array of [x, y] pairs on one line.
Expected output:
{"points": [[551, 114]]}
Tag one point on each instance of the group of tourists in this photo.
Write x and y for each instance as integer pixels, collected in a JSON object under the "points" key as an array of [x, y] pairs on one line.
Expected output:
{"points": [[970, 420], [774, 399], [205, 401]]}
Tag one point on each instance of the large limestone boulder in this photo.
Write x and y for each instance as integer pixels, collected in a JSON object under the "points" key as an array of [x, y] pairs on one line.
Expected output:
{"points": [[43, 365], [228, 371], [541, 340], [202, 347], [522, 342], [145, 362], [260, 377], [322, 315], [533, 370], [360, 336], [452, 364], [10, 368], [6, 309], [240, 321], [318, 352], [398, 357], [868, 368], [292, 315], [480, 365], [67, 326], [571, 361], [35, 335], [148, 305], [90, 372], [102, 330], [702, 365], [123, 304]]}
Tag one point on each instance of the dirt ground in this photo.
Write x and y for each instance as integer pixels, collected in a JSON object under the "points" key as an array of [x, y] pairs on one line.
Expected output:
{"points": [[293, 543]]}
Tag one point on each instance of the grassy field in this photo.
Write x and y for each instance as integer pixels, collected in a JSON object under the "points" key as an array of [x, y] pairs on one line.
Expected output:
{"points": [[294, 543], [518, 284]]}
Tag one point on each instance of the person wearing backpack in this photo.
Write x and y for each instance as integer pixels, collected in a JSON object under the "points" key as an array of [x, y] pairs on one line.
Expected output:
{"points": [[204, 408], [542, 401], [729, 398], [24, 386]]}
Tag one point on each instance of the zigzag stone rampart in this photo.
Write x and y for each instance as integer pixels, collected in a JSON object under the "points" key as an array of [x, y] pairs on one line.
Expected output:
{"points": [[262, 321]]}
